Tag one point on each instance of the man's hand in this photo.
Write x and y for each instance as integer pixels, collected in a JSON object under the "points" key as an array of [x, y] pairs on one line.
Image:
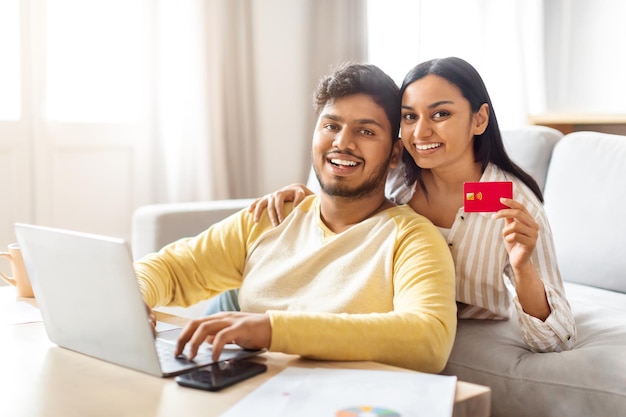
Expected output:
{"points": [[152, 318], [248, 330]]}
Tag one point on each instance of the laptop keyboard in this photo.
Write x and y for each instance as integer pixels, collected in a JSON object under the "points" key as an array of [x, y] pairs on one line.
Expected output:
{"points": [[171, 363]]}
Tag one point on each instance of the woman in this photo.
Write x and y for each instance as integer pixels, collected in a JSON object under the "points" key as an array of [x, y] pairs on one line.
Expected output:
{"points": [[451, 135]]}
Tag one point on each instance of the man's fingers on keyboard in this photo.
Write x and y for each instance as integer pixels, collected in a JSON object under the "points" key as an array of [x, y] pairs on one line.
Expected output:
{"points": [[185, 336]]}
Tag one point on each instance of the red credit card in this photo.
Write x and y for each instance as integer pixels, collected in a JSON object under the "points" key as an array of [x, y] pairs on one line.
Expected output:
{"points": [[485, 196]]}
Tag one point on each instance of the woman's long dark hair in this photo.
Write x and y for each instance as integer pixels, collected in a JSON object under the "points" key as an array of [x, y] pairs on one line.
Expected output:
{"points": [[488, 147]]}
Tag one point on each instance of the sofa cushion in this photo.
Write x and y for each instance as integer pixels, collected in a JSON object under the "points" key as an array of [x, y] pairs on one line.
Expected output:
{"points": [[585, 198], [589, 380], [531, 148], [156, 225]]}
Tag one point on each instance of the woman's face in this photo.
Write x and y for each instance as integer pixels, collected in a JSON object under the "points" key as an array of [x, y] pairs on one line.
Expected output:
{"points": [[438, 125]]}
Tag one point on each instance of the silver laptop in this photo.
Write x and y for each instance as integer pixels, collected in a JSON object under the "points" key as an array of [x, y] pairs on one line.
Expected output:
{"points": [[90, 302]]}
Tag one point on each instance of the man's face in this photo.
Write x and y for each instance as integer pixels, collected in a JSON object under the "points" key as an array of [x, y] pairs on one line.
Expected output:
{"points": [[352, 147]]}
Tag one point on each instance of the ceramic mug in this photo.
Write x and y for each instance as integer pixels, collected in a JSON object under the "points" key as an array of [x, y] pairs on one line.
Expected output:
{"points": [[20, 277]]}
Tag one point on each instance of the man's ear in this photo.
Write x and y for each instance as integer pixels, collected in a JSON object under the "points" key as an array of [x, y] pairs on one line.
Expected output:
{"points": [[396, 154], [481, 119]]}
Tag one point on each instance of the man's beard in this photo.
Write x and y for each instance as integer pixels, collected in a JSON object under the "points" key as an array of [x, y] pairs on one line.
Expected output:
{"points": [[338, 189]]}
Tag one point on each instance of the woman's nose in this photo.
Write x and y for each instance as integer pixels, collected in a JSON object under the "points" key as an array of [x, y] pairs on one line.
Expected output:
{"points": [[422, 128]]}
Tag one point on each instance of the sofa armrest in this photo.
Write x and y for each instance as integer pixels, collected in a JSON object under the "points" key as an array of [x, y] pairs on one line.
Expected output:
{"points": [[585, 200], [155, 225], [531, 148]]}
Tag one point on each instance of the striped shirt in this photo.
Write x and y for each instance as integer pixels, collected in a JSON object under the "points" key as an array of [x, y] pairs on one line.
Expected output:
{"points": [[484, 277]]}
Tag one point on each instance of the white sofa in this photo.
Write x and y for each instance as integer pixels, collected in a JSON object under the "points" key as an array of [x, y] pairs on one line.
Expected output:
{"points": [[584, 179]]}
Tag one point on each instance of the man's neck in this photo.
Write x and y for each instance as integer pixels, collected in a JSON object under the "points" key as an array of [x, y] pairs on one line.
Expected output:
{"points": [[340, 213]]}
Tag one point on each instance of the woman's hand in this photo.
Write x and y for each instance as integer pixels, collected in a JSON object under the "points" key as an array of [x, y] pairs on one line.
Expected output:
{"points": [[275, 202], [520, 234]]}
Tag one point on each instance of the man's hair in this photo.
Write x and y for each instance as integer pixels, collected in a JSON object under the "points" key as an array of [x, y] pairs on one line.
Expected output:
{"points": [[350, 79]]}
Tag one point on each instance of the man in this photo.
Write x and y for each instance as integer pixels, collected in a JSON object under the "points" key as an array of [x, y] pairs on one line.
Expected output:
{"points": [[347, 275]]}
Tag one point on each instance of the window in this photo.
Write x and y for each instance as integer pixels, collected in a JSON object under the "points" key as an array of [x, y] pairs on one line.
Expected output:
{"points": [[503, 40], [10, 80], [93, 63], [393, 44]]}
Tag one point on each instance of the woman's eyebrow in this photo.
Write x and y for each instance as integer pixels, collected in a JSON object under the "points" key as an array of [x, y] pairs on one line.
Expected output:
{"points": [[439, 103], [430, 106]]}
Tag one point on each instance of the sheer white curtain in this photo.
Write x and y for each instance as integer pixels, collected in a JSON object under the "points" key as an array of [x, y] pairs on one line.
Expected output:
{"points": [[182, 152], [504, 40], [204, 114], [337, 34], [207, 106]]}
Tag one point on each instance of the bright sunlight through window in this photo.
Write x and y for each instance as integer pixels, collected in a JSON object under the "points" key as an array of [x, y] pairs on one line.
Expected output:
{"points": [[10, 80], [389, 24], [93, 63]]}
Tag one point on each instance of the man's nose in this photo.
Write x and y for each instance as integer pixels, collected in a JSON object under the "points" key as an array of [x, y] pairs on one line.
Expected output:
{"points": [[344, 140]]}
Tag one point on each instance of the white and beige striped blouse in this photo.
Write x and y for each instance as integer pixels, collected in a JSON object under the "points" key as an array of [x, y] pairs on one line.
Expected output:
{"points": [[484, 278]]}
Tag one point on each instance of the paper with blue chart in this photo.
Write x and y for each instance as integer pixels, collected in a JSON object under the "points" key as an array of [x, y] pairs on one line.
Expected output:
{"points": [[349, 393]]}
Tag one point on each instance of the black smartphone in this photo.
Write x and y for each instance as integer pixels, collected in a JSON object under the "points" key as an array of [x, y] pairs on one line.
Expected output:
{"points": [[221, 374]]}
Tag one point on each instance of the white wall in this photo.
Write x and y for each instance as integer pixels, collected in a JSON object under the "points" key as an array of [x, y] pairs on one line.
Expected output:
{"points": [[283, 92], [586, 56]]}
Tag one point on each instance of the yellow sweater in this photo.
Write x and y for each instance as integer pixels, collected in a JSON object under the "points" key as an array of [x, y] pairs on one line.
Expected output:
{"points": [[382, 290]]}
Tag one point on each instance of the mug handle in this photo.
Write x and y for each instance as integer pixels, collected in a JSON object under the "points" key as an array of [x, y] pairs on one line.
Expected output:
{"points": [[8, 279]]}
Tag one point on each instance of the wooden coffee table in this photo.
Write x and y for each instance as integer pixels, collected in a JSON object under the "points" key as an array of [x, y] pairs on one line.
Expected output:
{"points": [[40, 379]]}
